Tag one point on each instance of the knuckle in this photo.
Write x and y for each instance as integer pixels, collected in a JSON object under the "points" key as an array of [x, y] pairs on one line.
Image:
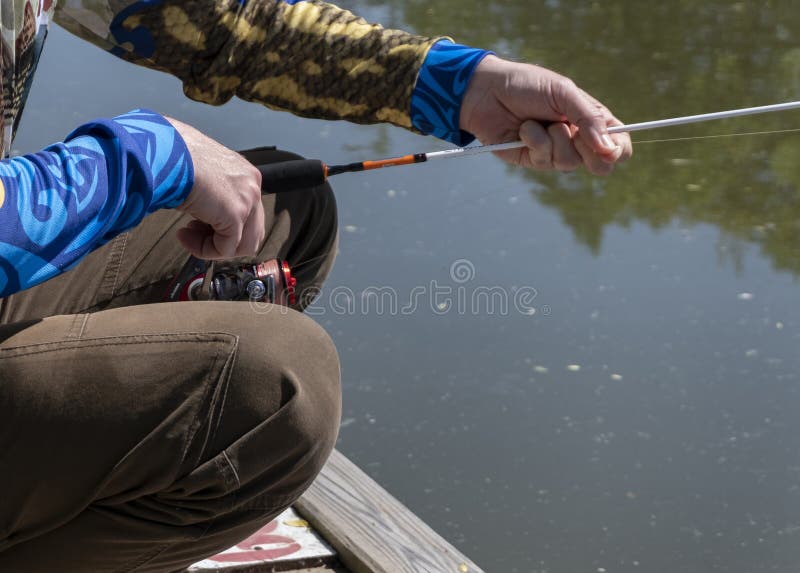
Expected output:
{"points": [[565, 85], [240, 212], [255, 194], [254, 177]]}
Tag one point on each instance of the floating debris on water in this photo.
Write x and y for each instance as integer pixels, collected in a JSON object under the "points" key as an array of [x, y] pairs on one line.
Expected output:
{"points": [[680, 161], [752, 353], [513, 200], [574, 367], [745, 296], [616, 377], [693, 187], [350, 228], [779, 325], [391, 193], [541, 369]]}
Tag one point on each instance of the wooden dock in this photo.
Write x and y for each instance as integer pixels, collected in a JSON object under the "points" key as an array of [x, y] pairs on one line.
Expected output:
{"points": [[345, 523]]}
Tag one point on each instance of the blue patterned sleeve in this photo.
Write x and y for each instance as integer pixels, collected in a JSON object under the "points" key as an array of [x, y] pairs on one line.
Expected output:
{"points": [[441, 85], [58, 205]]}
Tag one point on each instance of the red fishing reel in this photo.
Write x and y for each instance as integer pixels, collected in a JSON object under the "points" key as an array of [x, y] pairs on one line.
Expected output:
{"points": [[270, 281]]}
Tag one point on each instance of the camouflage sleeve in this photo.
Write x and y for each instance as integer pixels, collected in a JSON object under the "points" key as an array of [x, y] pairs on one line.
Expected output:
{"points": [[304, 56]]}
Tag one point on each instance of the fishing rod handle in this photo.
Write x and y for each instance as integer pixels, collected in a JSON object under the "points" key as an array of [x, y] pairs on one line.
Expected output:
{"points": [[292, 175]]}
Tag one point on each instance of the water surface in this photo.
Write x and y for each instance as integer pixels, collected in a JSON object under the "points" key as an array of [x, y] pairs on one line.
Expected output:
{"points": [[640, 413]]}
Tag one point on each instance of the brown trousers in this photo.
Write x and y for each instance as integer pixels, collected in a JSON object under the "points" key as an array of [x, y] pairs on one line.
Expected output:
{"points": [[142, 436]]}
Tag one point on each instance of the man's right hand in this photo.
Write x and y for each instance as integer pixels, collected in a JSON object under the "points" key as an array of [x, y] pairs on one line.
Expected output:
{"points": [[225, 200]]}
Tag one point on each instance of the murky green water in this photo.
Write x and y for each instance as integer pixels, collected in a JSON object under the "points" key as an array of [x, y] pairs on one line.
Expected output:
{"points": [[640, 412]]}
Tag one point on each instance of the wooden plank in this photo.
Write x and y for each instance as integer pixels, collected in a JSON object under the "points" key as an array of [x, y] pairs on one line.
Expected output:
{"points": [[371, 530]]}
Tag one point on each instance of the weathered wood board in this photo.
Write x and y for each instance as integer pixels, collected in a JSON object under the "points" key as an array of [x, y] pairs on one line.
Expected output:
{"points": [[287, 543], [371, 530]]}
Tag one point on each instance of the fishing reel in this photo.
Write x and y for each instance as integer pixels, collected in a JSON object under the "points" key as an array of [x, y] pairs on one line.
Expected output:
{"points": [[270, 281]]}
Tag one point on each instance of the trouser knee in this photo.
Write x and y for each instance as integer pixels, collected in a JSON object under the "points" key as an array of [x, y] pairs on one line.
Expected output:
{"points": [[285, 398]]}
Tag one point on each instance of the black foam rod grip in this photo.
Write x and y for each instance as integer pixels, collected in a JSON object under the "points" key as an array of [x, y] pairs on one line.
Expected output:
{"points": [[292, 175]]}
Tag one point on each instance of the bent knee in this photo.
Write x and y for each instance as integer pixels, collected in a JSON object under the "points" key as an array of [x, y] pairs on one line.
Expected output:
{"points": [[286, 384]]}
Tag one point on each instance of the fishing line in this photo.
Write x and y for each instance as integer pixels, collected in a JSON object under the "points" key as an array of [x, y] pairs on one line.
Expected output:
{"points": [[636, 142], [308, 173], [304, 174], [719, 136], [308, 261]]}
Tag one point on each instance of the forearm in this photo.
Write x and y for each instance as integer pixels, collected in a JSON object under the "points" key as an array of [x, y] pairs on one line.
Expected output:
{"points": [[309, 57], [58, 205]]}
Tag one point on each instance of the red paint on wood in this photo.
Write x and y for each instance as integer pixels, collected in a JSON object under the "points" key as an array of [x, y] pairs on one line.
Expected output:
{"points": [[264, 536]]}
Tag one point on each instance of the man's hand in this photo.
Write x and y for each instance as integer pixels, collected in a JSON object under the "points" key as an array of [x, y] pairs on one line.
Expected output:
{"points": [[225, 200], [563, 126]]}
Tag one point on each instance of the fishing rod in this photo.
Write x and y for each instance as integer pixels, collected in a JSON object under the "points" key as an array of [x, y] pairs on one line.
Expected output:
{"points": [[273, 281], [304, 173]]}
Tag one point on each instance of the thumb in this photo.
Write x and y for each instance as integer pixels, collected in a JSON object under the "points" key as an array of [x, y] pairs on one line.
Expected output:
{"points": [[589, 115]]}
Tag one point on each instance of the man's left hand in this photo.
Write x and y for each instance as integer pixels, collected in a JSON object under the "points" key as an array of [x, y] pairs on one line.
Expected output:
{"points": [[563, 126]]}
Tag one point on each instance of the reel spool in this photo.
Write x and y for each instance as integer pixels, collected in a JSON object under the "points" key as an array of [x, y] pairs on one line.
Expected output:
{"points": [[270, 281]]}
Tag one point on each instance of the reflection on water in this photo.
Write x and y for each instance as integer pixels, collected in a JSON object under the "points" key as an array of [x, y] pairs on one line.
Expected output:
{"points": [[649, 61], [746, 187], [644, 417]]}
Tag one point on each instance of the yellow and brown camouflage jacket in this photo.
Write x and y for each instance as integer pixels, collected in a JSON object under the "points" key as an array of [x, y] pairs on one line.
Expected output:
{"points": [[304, 56]]}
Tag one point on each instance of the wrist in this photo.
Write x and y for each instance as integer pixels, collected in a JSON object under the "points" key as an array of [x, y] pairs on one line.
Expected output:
{"points": [[165, 155], [479, 89]]}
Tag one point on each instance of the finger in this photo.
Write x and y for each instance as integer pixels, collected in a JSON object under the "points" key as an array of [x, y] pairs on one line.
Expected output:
{"points": [[539, 146], [192, 236], [224, 243], [594, 162], [591, 117], [623, 140], [199, 225], [253, 233], [206, 242], [565, 156]]}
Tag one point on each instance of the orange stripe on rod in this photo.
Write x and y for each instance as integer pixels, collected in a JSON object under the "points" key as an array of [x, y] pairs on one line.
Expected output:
{"points": [[405, 160]]}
